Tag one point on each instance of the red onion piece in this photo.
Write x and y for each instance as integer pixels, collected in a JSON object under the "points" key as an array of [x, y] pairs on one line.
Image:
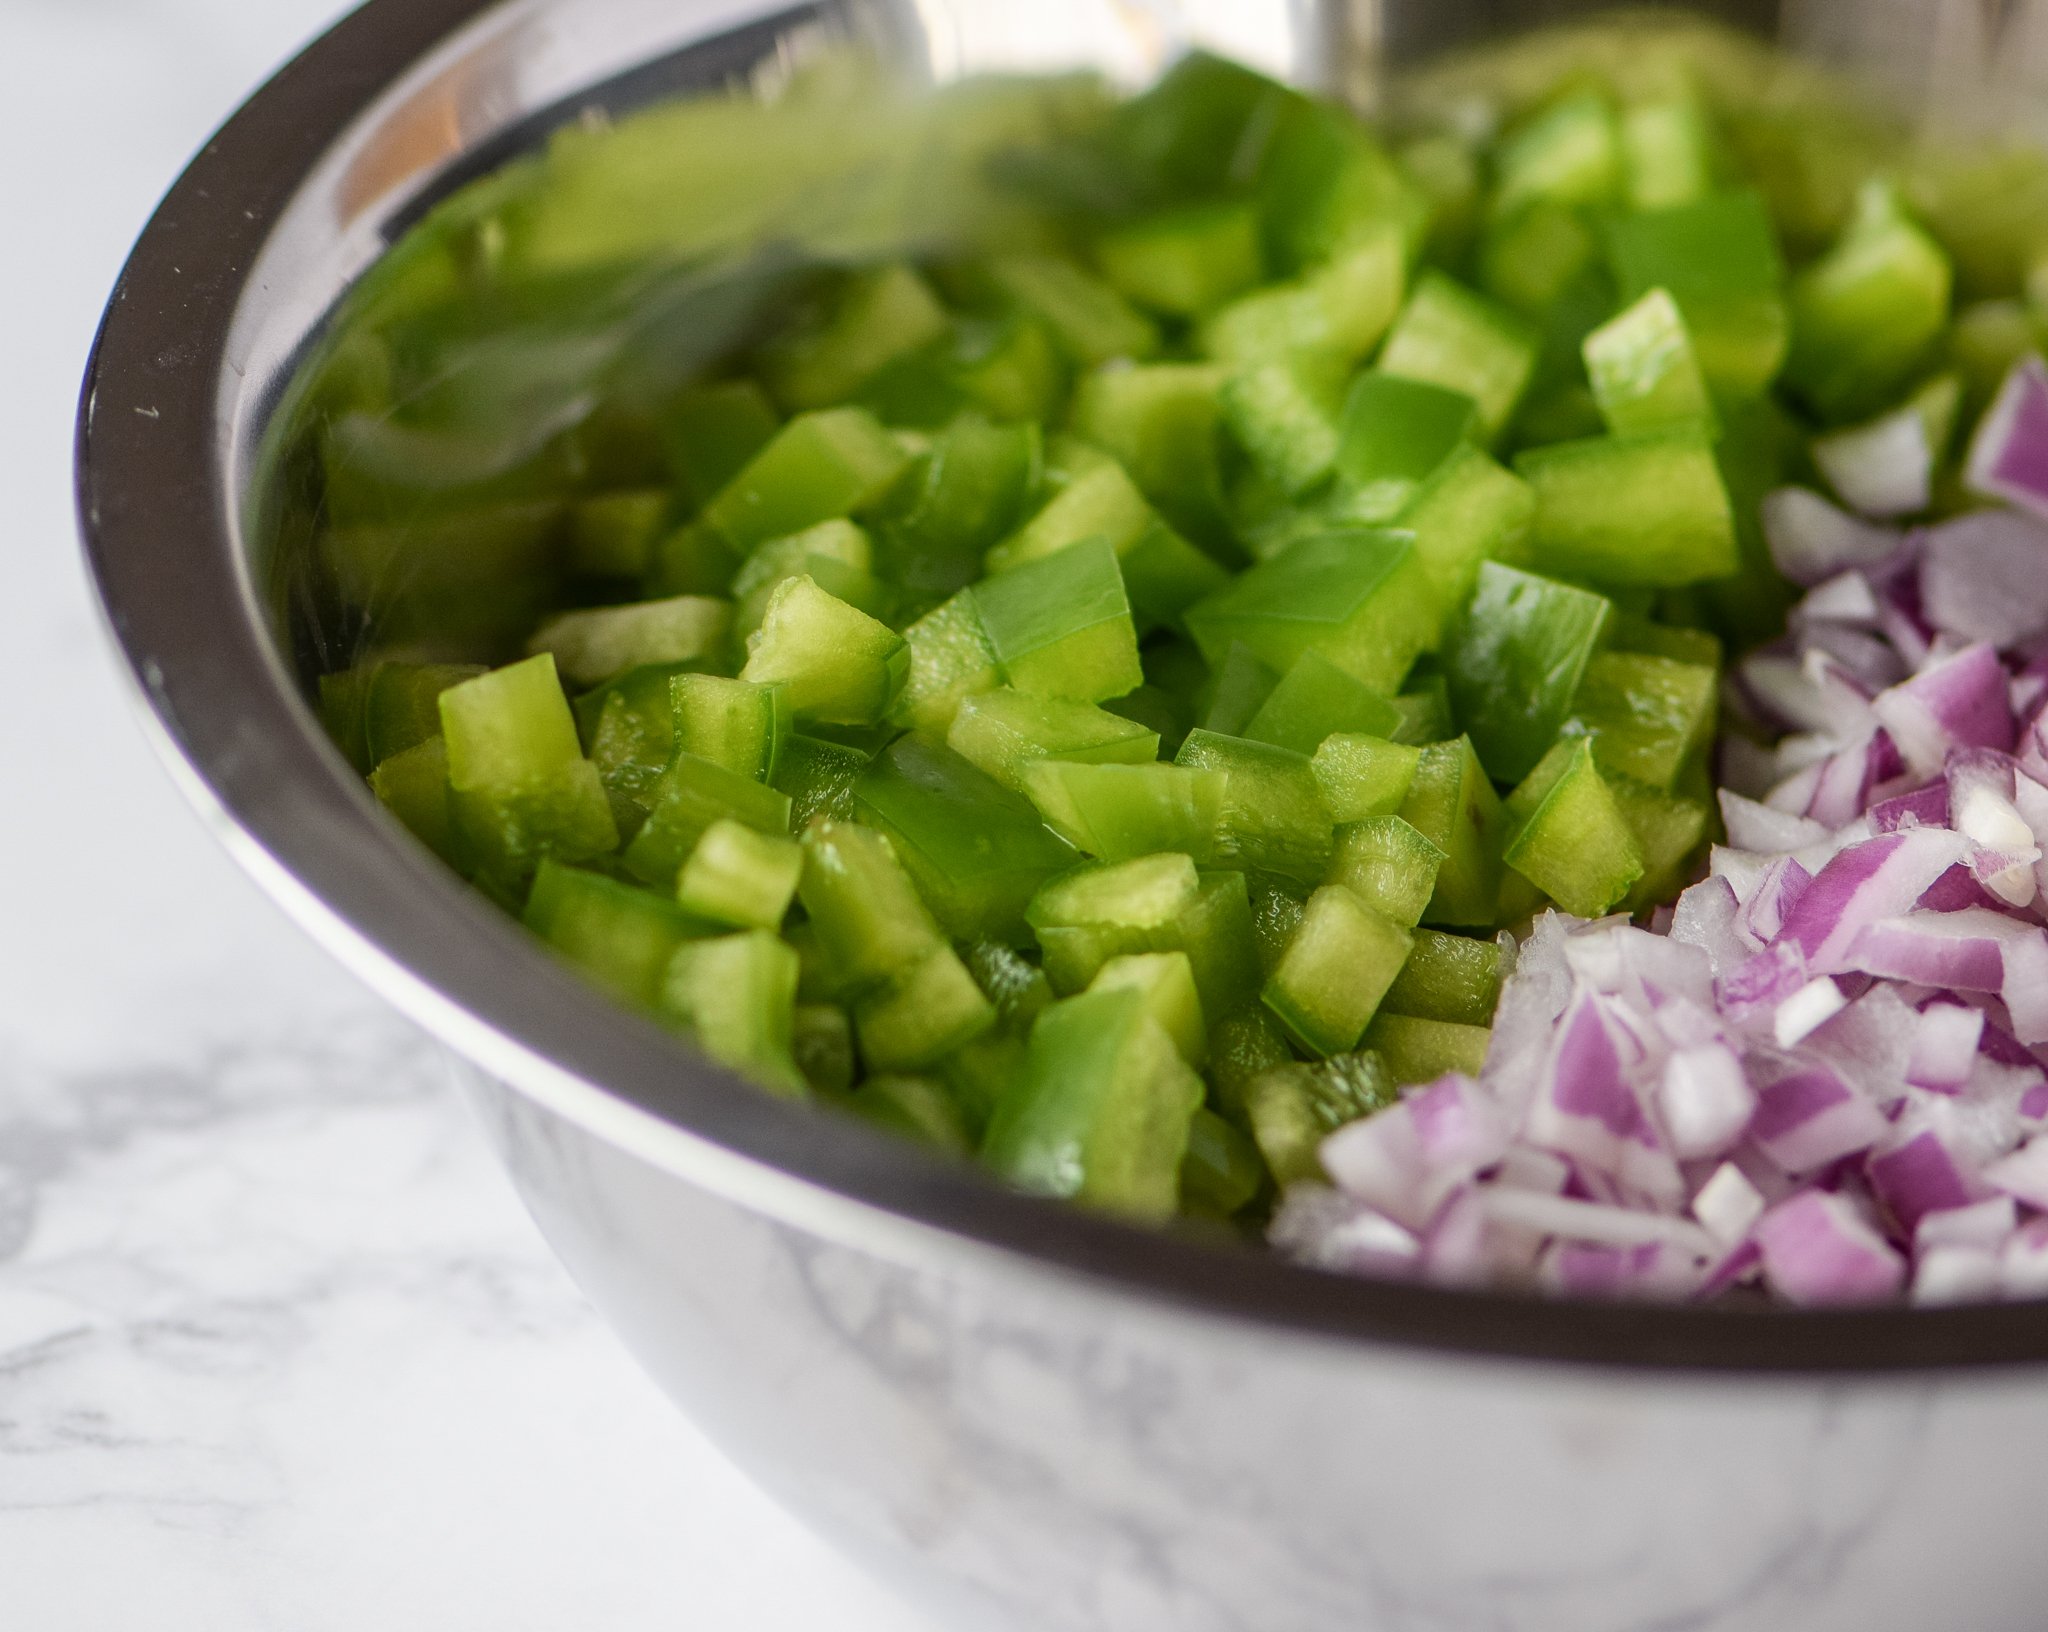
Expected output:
{"points": [[2009, 455], [1811, 540]]}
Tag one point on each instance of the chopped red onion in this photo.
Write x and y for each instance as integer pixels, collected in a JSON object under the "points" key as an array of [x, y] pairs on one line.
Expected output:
{"points": [[1944, 1047], [1818, 1249], [1811, 1118], [1959, 701], [1883, 468], [2009, 454], [1984, 576], [1811, 540], [1922, 1176]]}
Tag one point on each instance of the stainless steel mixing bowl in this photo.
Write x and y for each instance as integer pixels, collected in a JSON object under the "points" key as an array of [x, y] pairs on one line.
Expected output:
{"points": [[1026, 1416]]}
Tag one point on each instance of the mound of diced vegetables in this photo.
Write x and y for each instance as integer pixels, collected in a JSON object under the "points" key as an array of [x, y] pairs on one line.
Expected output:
{"points": [[1106, 700]]}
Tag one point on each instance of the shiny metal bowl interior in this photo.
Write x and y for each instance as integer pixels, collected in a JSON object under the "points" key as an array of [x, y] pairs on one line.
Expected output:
{"points": [[231, 285]]}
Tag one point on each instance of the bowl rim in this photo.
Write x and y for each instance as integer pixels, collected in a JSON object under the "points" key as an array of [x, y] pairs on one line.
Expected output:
{"points": [[246, 749]]}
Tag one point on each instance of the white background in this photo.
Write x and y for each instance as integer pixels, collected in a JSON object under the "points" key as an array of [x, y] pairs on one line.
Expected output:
{"points": [[278, 1350]]}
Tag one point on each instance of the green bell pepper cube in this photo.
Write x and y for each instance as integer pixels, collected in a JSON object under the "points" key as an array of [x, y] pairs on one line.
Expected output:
{"points": [[1315, 700], [1451, 337], [1276, 907], [1567, 153], [1185, 261], [821, 1041], [1388, 865], [1645, 373], [740, 878], [1468, 511], [980, 1073], [1340, 309], [1718, 258], [712, 432], [976, 851], [1359, 596], [1543, 262], [692, 794], [1222, 1172], [1515, 660], [1631, 632], [1273, 817], [1016, 986], [1187, 135], [962, 496], [1867, 315], [1324, 180], [1221, 940], [613, 535], [1243, 1045], [870, 922], [617, 934], [1444, 171], [1667, 149], [1453, 805], [1009, 369], [1062, 626], [1166, 981], [1669, 831], [1419, 1051], [1234, 690], [1648, 717], [1447, 977], [818, 778], [1088, 495], [1101, 1113], [1116, 812], [1338, 964], [690, 560], [950, 659], [520, 787], [1293, 1108], [835, 663], [598, 645], [733, 723], [413, 785], [1649, 510], [1147, 895], [836, 555], [401, 705], [1001, 731], [736, 995], [1160, 422], [921, 1014], [819, 467], [1284, 414], [1088, 320], [1362, 776], [1569, 836], [880, 315], [1395, 433], [1425, 709], [628, 728], [918, 1108]]}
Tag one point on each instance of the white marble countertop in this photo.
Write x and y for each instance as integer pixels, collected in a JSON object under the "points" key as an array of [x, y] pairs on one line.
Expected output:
{"points": [[279, 1352]]}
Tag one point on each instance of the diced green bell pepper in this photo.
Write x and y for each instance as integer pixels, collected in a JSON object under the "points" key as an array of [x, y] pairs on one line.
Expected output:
{"points": [[1160, 421], [413, 785], [880, 315], [692, 794], [1648, 716], [950, 658], [712, 432], [1062, 626], [1669, 831], [1453, 805], [1360, 597], [1388, 865], [1718, 257], [1339, 309], [1667, 150], [1417, 1051], [740, 878], [1000, 731], [736, 995], [1567, 153], [1338, 964], [1314, 700], [976, 850], [1570, 838], [1115, 812], [1447, 977], [921, 1013], [1645, 374], [1449, 336], [1185, 261], [822, 1043], [592, 647], [612, 535], [964, 494], [838, 556], [1293, 1108], [870, 922], [1237, 686], [733, 723], [621, 936], [818, 778], [1101, 1114], [1515, 661], [1395, 433], [1087, 318], [1363, 776], [520, 787], [1273, 818], [819, 467], [1223, 1171], [1166, 980], [915, 1107], [1285, 413], [1325, 181], [834, 662], [1468, 511], [1631, 510]]}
